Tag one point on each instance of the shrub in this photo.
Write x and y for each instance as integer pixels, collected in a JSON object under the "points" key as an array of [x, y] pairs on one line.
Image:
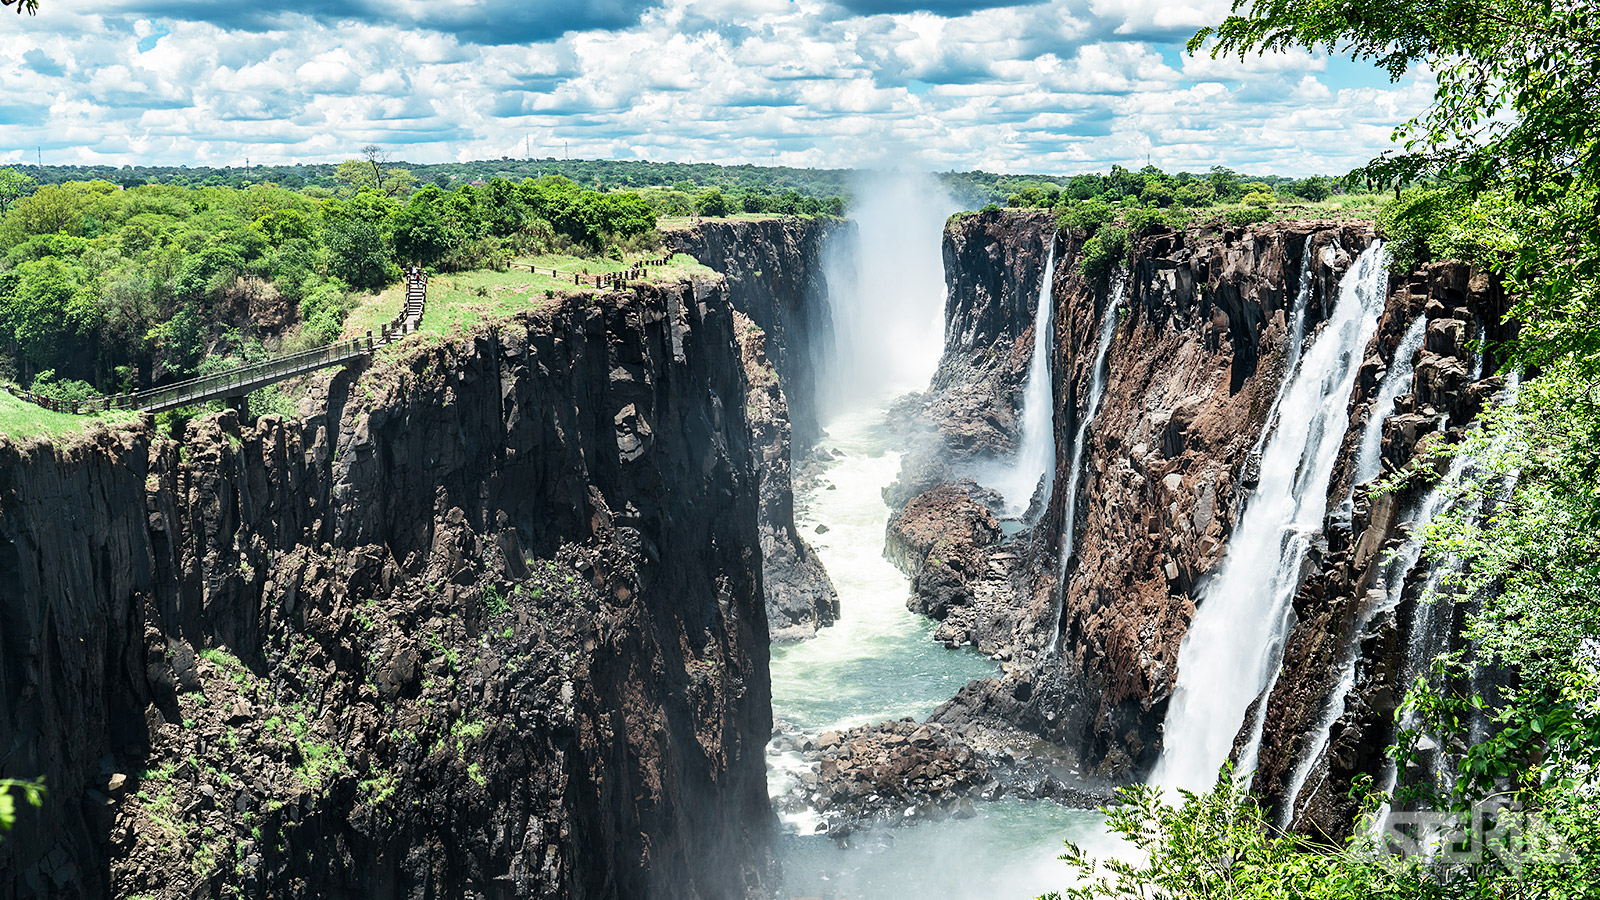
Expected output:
{"points": [[65, 390], [1088, 215], [1141, 219], [323, 311], [1262, 199], [1248, 215], [1103, 252]]}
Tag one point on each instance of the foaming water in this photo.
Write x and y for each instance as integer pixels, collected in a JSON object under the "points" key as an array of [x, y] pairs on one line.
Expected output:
{"points": [[1009, 850], [886, 286], [1231, 650], [1038, 449], [879, 661]]}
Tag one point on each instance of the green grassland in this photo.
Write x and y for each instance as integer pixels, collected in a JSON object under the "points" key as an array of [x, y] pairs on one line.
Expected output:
{"points": [[20, 420], [462, 299]]}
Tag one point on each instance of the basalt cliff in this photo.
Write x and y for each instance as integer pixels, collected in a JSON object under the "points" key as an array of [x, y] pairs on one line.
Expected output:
{"points": [[485, 620], [1196, 356]]}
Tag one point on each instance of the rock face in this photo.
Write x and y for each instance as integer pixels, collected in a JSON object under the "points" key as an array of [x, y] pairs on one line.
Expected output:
{"points": [[1192, 369], [486, 621], [776, 271], [800, 595], [1195, 361]]}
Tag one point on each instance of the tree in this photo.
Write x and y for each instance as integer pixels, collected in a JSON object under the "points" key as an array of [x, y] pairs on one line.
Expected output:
{"points": [[1225, 184], [14, 186], [32, 6], [713, 204], [1316, 189]]}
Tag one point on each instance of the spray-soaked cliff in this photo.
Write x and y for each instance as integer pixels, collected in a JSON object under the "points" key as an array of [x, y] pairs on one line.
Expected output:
{"points": [[485, 621], [776, 276], [1183, 383]]}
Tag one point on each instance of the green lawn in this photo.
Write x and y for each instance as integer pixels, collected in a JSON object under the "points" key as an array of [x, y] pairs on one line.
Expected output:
{"points": [[465, 298], [20, 419]]}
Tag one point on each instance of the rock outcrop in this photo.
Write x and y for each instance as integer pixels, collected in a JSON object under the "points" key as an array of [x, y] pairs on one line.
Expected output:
{"points": [[486, 620], [800, 595], [777, 275], [971, 413]]}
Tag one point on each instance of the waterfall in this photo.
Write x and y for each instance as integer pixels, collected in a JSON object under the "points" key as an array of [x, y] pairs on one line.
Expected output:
{"points": [[1233, 644], [887, 292], [1393, 575], [1036, 455], [1395, 382], [1097, 388], [1297, 340]]}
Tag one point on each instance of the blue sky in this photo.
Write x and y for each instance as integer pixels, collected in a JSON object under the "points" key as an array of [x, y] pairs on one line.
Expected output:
{"points": [[962, 84]]}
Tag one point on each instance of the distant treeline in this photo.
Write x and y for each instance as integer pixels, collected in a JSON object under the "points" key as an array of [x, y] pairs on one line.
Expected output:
{"points": [[674, 188]]}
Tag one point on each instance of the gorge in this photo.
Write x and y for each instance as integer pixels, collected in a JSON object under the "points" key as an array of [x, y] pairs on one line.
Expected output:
{"points": [[867, 563]]}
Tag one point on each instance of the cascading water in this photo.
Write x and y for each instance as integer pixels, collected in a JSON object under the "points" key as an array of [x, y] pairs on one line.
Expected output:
{"points": [[1297, 342], [1097, 389], [1395, 382], [1394, 575], [1232, 646], [1038, 449]]}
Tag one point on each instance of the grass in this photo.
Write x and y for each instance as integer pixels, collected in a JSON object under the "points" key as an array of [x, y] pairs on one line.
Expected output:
{"points": [[21, 420], [667, 222], [463, 299]]}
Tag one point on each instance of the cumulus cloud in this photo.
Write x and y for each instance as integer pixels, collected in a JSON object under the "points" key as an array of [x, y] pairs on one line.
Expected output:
{"points": [[1059, 87]]}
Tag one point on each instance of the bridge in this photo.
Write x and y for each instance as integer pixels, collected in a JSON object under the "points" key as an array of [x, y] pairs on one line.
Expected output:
{"points": [[235, 383]]}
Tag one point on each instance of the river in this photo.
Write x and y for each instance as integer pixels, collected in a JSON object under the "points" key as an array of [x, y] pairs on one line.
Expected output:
{"points": [[879, 662]]}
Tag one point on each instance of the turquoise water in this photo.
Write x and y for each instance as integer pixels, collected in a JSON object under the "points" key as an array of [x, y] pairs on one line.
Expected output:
{"points": [[880, 662]]}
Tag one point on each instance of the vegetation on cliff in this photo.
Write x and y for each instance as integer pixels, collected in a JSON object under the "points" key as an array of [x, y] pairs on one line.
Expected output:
{"points": [[1504, 171]]}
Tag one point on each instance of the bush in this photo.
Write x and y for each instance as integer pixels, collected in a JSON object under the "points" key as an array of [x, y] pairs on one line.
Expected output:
{"points": [[1262, 199], [323, 310], [1088, 215], [1103, 253], [1248, 215], [1141, 219], [64, 391]]}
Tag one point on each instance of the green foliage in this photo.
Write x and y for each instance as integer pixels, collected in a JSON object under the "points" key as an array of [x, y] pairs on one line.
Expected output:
{"points": [[713, 204], [32, 792], [1261, 199], [66, 391], [14, 186], [1087, 215], [1103, 252], [1246, 215]]}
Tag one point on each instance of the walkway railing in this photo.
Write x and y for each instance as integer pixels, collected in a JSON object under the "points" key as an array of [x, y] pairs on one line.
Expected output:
{"points": [[607, 279], [237, 382]]}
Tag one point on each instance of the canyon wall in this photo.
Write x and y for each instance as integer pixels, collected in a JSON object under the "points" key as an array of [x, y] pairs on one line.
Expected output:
{"points": [[485, 620], [777, 276], [1204, 317], [775, 272]]}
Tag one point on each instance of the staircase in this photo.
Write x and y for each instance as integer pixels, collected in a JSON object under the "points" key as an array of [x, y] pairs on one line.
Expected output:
{"points": [[237, 382]]}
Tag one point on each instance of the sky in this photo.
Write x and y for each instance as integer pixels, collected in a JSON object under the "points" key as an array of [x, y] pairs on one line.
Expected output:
{"points": [[942, 84]]}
